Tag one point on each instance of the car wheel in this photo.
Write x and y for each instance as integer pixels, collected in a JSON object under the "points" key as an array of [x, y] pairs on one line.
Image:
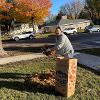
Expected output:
{"points": [[74, 32], [16, 38], [31, 37], [90, 31], [98, 30]]}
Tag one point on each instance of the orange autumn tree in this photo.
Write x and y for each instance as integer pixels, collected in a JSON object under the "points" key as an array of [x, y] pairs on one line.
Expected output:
{"points": [[30, 10], [25, 10], [4, 7], [4, 12]]}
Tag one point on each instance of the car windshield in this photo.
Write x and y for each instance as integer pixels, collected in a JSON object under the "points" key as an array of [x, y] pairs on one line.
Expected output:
{"points": [[69, 28], [88, 27], [26, 32]]}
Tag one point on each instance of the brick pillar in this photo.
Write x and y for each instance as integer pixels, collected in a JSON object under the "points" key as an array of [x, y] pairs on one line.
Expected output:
{"points": [[66, 76]]}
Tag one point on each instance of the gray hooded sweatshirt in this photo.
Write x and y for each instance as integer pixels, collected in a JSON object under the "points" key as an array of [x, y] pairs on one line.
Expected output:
{"points": [[64, 46]]}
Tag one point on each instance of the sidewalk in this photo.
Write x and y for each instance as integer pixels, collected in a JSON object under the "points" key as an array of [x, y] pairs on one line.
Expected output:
{"points": [[90, 61], [20, 58]]}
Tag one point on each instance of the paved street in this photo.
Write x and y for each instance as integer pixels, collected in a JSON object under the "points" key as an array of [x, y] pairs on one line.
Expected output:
{"points": [[84, 37], [80, 41]]}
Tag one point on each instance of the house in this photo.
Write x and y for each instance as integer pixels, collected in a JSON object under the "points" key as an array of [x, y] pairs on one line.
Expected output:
{"points": [[66, 23], [20, 28]]}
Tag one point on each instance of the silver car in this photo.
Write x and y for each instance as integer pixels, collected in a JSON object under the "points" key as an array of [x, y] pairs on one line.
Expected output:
{"points": [[70, 31], [24, 35], [92, 29]]}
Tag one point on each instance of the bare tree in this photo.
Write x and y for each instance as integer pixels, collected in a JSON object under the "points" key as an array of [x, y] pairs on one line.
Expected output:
{"points": [[50, 18], [67, 9], [77, 8], [72, 9]]}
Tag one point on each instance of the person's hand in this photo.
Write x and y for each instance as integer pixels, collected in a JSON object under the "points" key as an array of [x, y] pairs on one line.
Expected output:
{"points": [[53, 51]]}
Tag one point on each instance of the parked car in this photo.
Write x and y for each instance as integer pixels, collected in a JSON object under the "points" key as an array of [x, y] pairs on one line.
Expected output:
{"points": [[91, 29], [94, 29], [70, 31], [24, 35], [87, 28]]}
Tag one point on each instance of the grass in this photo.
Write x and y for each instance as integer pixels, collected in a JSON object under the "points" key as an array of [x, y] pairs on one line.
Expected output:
{"points": [[44, 35], [38, 35], [81, 30], [12, 85], [6, 37], [93, 51]]}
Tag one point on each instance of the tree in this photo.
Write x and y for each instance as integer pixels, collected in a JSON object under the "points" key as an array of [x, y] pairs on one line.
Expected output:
{"points": [[4, 7], [77, 8], [72, 9], [50, 18], [83, 15], [92, 7], [1, 48], [59, 16], [24, 10], [67, 10], [97, 5], [30, 10]]}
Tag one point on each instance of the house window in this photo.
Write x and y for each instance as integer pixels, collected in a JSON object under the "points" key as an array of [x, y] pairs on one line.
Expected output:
{"points": [[46, 29], [71, 24], [9, 1]]}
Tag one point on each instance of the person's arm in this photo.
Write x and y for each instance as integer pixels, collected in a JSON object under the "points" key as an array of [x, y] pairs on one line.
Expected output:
{"points": [[59, 43]]}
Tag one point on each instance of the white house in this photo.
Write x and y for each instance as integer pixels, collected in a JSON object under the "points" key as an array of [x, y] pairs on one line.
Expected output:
{"points": [[66, 23], [19, 28]]}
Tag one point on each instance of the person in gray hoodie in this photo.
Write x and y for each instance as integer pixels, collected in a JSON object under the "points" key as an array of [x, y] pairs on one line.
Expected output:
{"points": [[63, 46]]}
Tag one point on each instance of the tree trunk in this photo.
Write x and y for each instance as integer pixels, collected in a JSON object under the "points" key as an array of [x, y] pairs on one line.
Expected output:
{"points": [[33, 24], [2, 52], [1, 48]]}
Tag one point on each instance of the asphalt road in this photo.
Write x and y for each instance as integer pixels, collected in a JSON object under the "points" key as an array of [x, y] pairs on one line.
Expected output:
{"points": [[76, 39], [84, 37]]}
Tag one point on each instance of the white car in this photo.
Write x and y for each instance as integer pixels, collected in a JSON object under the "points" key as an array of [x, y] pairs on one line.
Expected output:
{"points": [[94, 29], [70, 31], [24, 35]]}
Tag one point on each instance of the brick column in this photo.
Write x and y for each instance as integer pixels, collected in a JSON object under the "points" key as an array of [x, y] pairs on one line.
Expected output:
{"points": [[66, 76]]}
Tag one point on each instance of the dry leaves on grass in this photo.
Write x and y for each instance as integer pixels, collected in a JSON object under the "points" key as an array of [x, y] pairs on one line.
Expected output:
{"points": [[44, 79]]}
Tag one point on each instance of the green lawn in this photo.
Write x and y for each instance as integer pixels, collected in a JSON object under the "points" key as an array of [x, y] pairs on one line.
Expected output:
{"points": [[38, 35], [12, 85], [6, 37], [43, 35], [81, 30], [93, 51]]}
